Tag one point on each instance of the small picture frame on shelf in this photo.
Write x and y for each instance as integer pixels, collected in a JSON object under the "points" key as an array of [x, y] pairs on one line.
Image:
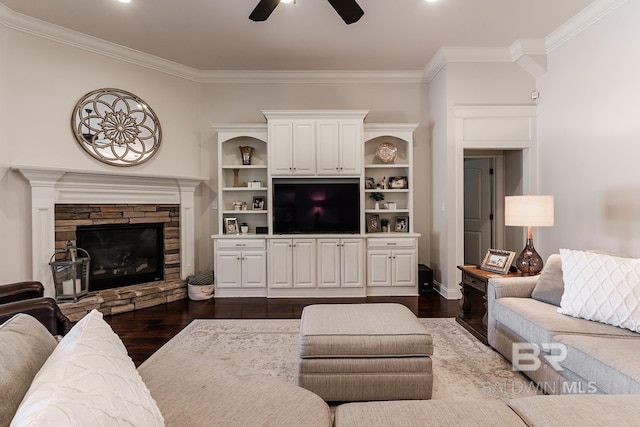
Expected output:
{"points": [[402, 224], [497, 261], [369, 183], [231, 226], [398, 182], [373, 223], [258, 203]]}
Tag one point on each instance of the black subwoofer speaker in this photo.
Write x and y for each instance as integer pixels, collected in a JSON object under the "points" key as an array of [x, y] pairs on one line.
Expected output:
{"points": [[425, 279]]}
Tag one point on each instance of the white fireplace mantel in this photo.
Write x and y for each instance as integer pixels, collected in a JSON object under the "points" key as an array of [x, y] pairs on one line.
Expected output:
{"points": [[54, 185]]}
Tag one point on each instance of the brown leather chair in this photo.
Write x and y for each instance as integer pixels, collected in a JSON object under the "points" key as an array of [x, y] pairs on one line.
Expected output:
{"points": [[27, 297]]}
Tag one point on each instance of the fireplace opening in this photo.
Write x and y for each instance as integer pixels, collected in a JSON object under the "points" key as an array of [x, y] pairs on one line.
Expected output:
{"points": [[123, 254]]}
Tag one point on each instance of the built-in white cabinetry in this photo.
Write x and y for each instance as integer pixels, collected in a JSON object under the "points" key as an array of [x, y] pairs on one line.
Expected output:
{"points": [[316, 267], [339, 147], [241, 185], [310, 143], [241, 267], [293, 146], [292, 263], [340, 263], [392, 266], [394, 180]]}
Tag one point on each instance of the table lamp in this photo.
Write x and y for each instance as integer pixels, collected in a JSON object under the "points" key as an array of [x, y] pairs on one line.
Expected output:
{"points": [[528, 211]]}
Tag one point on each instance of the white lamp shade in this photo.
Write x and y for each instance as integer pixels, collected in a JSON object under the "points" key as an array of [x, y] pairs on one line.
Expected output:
{"points": [[528, 211]]}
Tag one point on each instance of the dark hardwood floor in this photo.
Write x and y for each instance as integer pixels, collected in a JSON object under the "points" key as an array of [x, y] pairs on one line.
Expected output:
{"points": [[145, 331]]}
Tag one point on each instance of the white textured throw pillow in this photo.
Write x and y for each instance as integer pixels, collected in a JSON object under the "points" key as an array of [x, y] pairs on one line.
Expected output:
{"points": [[601, 287], [89, 380]]}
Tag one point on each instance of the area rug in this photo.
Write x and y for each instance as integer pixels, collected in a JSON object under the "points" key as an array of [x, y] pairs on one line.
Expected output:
{"points": [[463, 367]]}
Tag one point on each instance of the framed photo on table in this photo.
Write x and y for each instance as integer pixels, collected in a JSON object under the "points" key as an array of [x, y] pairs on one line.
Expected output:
{"points": [[497, 261]]}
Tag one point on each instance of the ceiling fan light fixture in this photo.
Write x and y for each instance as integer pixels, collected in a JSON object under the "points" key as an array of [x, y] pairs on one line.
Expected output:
{"points": [[349, 10]]}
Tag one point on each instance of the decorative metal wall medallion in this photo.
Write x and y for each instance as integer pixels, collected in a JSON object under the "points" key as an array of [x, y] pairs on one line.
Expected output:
{"points": [[116, 127]]}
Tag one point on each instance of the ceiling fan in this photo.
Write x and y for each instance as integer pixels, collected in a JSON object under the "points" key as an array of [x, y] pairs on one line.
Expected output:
{"points": [[349, 10]]}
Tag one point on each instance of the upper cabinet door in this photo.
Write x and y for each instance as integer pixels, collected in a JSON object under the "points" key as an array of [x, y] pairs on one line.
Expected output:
{"points": [[292, 147], [328, 148], [350, 147], [339, 147], [280, 147], [304, 148]]}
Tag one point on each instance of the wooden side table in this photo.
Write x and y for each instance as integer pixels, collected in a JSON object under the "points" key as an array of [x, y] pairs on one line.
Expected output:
{"points": [[473, 305]]}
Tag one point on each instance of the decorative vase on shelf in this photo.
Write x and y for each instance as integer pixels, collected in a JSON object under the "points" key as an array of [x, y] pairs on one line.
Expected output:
{"points": [[377, 197], [236, 178], [244, 228], [246, 153]]}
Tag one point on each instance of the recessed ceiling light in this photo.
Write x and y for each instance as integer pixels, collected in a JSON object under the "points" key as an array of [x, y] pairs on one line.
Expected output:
{"points": [[124, 1], [431, 1], [287, 1]]}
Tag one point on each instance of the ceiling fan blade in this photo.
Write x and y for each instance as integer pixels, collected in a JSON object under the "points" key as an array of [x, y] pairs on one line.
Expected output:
{"points": [[263, 10], [349, 10]]}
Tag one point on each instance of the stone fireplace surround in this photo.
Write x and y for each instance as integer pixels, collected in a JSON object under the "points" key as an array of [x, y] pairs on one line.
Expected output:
{"points": [[54, 186]]}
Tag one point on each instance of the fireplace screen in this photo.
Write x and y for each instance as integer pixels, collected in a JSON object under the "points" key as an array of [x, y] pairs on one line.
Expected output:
{"points": [[123, 254]]}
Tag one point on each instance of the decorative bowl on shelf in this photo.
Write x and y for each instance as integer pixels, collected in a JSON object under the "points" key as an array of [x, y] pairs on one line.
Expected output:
{"points": [[386, 152]]}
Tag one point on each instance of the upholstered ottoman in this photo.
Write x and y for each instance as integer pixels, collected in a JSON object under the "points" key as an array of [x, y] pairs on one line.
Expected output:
{"points": [[356, 352]]}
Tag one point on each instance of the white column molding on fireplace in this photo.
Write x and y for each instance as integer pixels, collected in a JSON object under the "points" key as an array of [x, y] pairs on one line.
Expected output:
{"points": [[314, 148], [50, 186], [187, 187], [42, 184]]}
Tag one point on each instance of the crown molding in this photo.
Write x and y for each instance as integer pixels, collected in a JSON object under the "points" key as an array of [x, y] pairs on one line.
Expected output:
{"points": [[523, 48], [445, 55], [580, 22], [311, 76], [19, 22]]}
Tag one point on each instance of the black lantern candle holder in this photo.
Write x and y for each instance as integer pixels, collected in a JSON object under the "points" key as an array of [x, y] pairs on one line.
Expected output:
{"points": [[70, 269]]}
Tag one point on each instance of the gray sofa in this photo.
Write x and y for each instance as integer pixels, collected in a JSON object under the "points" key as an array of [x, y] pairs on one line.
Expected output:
{"points": [[599, 358], [206, 392]]}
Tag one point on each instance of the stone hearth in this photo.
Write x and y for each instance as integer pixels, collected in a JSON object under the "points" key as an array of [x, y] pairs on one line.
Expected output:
{"points": [[126, 298]]}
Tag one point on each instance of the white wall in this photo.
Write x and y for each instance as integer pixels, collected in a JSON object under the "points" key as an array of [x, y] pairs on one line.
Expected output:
{"points": [[462, 84], [589, 137], [41, 83], [439, 141]]}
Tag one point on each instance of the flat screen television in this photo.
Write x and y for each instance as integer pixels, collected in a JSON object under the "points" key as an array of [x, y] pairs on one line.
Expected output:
{"points": [[316, 206]]}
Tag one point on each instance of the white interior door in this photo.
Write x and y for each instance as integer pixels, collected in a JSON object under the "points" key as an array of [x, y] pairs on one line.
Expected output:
{"points": [[478, 208]]}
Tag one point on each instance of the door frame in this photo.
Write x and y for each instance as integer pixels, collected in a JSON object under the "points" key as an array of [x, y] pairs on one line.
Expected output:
{"points": [[488, 128]]}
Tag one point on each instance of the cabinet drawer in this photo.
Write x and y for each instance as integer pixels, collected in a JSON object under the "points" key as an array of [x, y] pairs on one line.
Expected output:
{"points": [[241, 244], [391, 243], [478, 284]]}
